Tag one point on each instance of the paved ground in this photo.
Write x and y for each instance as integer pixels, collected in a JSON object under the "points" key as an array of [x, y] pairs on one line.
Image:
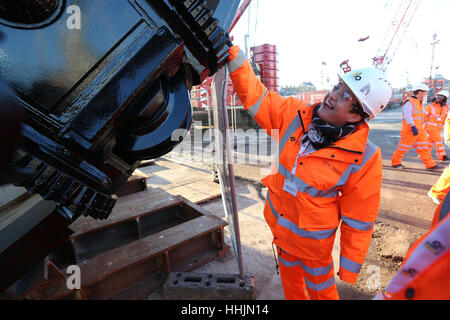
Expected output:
{"points": [[405, 214]]}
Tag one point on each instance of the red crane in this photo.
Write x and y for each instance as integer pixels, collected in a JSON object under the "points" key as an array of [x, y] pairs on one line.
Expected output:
{"points": [[393, 36], [239, 13], [395, 33]]}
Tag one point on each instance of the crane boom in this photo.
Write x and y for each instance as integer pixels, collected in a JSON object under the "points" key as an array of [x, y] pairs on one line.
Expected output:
{"points": [[395, 33], [239, 13]]}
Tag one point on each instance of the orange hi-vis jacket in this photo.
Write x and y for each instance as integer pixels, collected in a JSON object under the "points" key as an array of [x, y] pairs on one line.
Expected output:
{"points": [[418, 113], [447, 130], [339, 182], [435, 115], [424, 271]]}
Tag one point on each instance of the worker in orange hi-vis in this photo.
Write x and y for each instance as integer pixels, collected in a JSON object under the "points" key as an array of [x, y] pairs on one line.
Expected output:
{"points": [[447, 130], [423, 274], [434, 120], [327, 171], [442, 186], [412, 132]]}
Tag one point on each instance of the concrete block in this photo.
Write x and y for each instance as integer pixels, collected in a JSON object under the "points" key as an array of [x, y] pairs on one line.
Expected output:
{"points": [[208, 286]]}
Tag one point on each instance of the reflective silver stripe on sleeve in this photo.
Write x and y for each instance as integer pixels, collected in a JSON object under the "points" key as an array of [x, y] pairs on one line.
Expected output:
{"points": [[350, 265], [238, 61], [357, 224], [292, 128], [253, 110]]}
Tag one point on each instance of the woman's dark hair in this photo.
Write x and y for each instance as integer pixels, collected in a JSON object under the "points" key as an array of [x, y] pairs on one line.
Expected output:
{"points": [[359, 110], [443, 103]]}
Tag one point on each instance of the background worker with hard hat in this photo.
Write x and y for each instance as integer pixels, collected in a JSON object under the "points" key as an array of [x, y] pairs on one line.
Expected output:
{"points": [[442, 186], [327, 172], [434, 120], [412, 132]]}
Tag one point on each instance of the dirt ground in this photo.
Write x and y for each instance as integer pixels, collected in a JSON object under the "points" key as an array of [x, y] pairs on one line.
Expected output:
{"points": [[388, 247]]}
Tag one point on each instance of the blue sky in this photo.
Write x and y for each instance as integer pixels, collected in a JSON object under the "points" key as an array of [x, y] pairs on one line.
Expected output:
{"points": [[309, 32]]}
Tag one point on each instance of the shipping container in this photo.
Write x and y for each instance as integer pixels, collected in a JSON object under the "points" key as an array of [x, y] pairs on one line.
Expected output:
{"points": [[269, 65], [264, 48], [269, 73], [266, 56]]}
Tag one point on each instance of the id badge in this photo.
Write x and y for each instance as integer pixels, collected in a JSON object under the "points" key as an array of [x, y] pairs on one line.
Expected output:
{"points": [[290, 187]]}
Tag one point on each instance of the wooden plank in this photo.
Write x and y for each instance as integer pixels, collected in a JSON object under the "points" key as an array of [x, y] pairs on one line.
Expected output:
{"points": [[191, 183], [120, 271]]}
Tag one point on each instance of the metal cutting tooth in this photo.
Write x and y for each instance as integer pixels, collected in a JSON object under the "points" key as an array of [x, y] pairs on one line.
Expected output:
{"points": [[89, 202], [211, 27], [46, 174], [57, 187], [18, 155], [43, 180], [82, 200], [215, 38], [34, 164], [72, 196], [195, 12], [72, 190], [188, 3], [203, 18]]}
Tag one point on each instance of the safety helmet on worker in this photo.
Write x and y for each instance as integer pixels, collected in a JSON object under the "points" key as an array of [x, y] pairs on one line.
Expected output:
{"points": [[371, 87], [443, 93], [420, 86]]}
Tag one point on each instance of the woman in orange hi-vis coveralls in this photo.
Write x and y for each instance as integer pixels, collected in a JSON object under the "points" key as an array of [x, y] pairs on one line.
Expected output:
{"points": [[424, 271], [327, 172], [412, 132], [434, 120]]}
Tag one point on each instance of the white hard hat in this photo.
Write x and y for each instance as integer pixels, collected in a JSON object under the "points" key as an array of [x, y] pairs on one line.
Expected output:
{"points": [[443, 93], [371, 87], [420, 86]]}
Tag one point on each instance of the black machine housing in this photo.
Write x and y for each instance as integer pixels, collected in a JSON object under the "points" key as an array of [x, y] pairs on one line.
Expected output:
{"points": [[102, 85]]}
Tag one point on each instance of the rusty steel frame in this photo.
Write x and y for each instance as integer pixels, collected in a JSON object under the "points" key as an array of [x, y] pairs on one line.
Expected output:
{"points": [[133, 268]]}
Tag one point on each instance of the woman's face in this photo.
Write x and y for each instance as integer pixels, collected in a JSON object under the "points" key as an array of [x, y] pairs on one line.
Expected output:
{"points": [[337, 106], [440, 98]]}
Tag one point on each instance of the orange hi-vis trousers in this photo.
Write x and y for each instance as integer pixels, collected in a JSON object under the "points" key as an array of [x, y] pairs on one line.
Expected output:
{"points": [[420, 144], [440, 189], [434, 137], [303, 277]]}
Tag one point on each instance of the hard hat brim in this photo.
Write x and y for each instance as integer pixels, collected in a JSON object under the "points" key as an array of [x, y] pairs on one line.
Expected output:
{"points": [[360, 100]]}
